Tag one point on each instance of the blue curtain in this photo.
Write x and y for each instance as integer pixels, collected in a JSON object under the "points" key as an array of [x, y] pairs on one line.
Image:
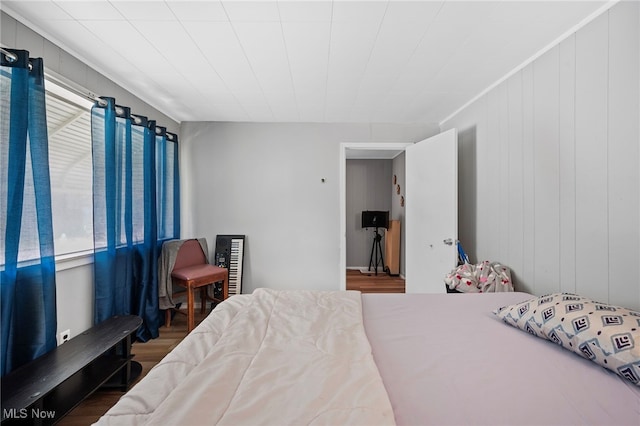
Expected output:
{"points": [[146, 228], [172, 145], [111, 149], [27, 278], [129, 210]]}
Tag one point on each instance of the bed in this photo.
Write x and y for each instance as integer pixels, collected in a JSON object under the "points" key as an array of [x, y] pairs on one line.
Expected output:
{"points": [[304, 357]]}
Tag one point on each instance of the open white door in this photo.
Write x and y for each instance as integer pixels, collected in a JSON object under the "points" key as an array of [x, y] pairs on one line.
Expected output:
{"points": [[431, 212]]}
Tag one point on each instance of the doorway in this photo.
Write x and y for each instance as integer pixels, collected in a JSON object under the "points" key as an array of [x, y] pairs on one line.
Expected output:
{"points": [[369, 151], [431, 214]]}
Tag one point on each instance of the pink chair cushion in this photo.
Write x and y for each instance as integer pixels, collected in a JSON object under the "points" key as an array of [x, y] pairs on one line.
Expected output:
{"points": [[196, 272]]}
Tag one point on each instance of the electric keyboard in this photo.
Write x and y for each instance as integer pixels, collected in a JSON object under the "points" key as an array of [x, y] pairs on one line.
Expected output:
{"points": [[229, 254]]}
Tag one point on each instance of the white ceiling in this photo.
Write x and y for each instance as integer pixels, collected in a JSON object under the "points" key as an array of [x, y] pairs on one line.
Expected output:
{"points": [[303, 61]]}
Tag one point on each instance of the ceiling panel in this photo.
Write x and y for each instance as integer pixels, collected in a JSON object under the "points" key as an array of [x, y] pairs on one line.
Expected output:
{"points": [[141, 10], [305, 11], [264, 46], [47, 8], [85, 10], [210, 104], [284, 113], [308, 52], [252, 11], [395, 45], [336, 114], [337, 98], [359, 11], [311, 112], [421, 12], [467, 14], [370, 97], [337, 61], [76, 30], [218, 43], [127, 37], [211, 11], [258, 111], [175, 45], [250, 98], [349, 53]]}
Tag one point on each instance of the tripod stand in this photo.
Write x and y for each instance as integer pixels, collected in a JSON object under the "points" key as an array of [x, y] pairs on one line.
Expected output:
{"points": [[378, 251]]}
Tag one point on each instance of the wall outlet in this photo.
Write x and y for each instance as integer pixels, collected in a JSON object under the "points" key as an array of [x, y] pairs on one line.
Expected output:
{"points": [[64, 336]]}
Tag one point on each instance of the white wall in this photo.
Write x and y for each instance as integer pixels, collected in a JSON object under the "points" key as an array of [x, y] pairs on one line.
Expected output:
{"points": [[74, 298], [549, 166], [264, 180], [367, 188], [74, 279]]}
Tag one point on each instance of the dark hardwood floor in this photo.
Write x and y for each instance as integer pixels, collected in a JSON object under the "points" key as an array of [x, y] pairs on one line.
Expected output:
{"points": [[371, 283], [150, 353]]}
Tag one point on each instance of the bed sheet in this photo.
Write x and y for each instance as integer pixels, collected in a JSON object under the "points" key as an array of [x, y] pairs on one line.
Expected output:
{"points": [[446, 359]]}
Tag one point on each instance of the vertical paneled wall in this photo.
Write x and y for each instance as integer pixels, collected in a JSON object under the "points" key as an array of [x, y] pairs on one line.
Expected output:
{"points": [[549, 166], [367, 188]]}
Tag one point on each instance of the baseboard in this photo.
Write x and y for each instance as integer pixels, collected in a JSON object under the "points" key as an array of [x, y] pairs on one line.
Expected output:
{"points": [[366, 270]]}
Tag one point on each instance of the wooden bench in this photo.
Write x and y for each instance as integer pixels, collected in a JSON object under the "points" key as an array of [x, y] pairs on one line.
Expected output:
{"points": [[47, 388]]}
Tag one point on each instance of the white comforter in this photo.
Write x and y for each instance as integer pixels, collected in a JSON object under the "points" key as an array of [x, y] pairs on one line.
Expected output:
{"points": [[271, 358]]}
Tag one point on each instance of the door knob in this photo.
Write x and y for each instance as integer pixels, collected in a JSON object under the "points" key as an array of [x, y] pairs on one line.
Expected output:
{"points": [[448, 242]]}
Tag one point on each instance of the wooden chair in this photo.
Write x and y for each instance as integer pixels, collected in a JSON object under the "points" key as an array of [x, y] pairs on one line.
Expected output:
{"points": [[192, 271]]}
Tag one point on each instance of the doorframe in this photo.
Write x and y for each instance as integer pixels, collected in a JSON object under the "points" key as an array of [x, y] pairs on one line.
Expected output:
{"points": [[369, 146]]}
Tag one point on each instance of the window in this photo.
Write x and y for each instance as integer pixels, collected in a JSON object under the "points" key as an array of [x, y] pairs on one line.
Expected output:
{"points": [[69, 129], [70, 164], [166, 191]]}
